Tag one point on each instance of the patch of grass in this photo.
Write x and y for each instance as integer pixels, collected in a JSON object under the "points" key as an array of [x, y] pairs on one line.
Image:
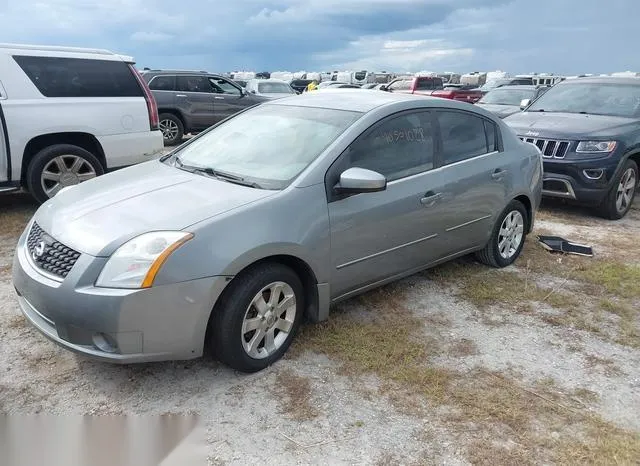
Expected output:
{"points": [[514, 423], [602, 444], [295, 396], [606, 365], [384, 342], [628, 331], [463, 347], [617, 278]]}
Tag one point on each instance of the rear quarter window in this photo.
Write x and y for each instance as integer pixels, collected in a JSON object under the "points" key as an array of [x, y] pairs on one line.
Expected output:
{"points": [[79, 77], [163, 83]]}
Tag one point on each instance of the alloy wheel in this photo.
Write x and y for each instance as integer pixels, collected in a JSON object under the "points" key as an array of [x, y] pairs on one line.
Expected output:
{"points": [[511, 234], [63, 171], [169, 129], [268, 320], [626, 188]]}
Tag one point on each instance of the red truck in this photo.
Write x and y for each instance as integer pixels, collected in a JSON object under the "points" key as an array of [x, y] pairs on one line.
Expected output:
{"points": [[431, 86]]}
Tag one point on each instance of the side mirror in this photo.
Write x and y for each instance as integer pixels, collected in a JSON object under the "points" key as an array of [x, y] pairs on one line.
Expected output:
{"points": [[384, 88], [253, 91], [524, 103], [360, 180]]}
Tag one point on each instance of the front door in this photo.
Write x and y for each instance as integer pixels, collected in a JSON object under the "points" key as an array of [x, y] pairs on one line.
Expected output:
{"points": [[375, 236], [194, 97], [228, 98], [474, 174]]}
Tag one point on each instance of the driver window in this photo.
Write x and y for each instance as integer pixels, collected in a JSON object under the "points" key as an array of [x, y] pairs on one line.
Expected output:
{"points": [[193, 84], [222, 86], [397, 148]]}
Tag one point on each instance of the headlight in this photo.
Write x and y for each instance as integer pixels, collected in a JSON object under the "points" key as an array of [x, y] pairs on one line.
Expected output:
{"points": [[596, 146], [136, 263]]}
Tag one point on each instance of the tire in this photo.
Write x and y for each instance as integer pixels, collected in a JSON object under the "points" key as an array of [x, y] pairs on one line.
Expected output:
{"points": [[172, 129], [620, 198], [230, 344], [58, 166], [492, 254]]}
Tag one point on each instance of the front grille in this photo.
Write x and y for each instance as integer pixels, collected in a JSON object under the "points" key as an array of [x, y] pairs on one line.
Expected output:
{"points": [[48, 254], [550, 148]]}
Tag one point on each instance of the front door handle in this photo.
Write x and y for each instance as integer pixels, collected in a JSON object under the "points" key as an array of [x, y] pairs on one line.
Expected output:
{"points": [[219, 98], [181, 95], [430, 198], [498, 174]]}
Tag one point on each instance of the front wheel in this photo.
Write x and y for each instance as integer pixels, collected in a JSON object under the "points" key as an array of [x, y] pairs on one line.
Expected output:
{"points": [[622, 192], [507, 238], [257, 317]]}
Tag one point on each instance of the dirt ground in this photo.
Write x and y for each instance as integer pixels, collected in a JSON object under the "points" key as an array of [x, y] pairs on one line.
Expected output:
{"points": [[536, 363]]}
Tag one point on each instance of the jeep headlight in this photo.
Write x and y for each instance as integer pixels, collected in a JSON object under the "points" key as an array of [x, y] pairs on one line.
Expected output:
{"points": [[591, 147], [136, 263]]}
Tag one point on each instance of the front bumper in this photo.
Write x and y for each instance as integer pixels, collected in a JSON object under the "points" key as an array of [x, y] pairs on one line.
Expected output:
{"points": [[586, 181], [166, 322]]}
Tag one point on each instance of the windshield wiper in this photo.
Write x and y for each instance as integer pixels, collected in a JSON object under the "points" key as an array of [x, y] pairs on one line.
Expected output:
{"points": [[217, 174]]}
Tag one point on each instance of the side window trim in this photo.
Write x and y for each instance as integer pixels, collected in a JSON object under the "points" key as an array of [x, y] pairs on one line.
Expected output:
{"points": [[331, 195], [438, 143]]}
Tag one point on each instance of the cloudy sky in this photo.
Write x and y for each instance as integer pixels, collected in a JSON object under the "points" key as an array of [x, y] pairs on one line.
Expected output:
{"points": [[520, 36]]}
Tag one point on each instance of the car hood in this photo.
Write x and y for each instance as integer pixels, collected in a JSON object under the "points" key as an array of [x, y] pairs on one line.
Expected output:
{"points": [[97, 216], [568, 125], [500, 110]]}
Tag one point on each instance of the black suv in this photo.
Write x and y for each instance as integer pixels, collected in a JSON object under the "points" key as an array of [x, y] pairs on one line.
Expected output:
{"points": [[588, 130], [192, 101]]}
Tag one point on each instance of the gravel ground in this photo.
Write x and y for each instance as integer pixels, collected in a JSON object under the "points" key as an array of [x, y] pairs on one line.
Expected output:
{"points": [[306, 409]]}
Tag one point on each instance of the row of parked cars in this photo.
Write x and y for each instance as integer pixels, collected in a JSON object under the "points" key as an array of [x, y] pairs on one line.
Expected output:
{"points": [[275, 211]]}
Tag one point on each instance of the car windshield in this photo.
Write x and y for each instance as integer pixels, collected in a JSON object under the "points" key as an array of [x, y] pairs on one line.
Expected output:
{"points": [[612, 99], [268, 145], [507, 96], [275, 88]]}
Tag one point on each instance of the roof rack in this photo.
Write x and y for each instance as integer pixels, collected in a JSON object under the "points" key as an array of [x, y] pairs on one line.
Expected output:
{"points": [[178, 71], [55, 48]]}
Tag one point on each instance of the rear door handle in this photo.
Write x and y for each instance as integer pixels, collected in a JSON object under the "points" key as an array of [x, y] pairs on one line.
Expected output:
{"points": [[219, 98], [430, 198], [181, 95], [498, 174]]}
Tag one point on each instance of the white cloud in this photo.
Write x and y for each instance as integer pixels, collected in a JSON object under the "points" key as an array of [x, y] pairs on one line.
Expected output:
{"points": [[149, 36]]}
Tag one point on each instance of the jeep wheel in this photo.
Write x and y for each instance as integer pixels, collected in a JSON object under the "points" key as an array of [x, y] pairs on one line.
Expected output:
{"points": [[622, 192], [58, 166], [172, 129]]}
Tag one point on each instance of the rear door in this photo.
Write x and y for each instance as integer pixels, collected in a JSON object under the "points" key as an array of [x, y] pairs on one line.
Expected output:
{"points": [[194, 97], [4, 143], [228, 98], [475, 174]]}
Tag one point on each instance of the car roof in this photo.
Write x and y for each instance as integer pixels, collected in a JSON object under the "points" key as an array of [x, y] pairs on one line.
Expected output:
{"points": [[528, 87], [63, 52], [602, 80], [179, 72], [362, 100]]}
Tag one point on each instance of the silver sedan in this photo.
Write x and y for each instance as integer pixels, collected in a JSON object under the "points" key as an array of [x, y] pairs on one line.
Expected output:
{"points": [[272, 215]]}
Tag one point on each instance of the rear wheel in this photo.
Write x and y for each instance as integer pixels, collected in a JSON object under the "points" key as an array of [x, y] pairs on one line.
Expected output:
{"points": [[257, 317], [172, 128], [507, 238], [58, 166], [622, 192]]}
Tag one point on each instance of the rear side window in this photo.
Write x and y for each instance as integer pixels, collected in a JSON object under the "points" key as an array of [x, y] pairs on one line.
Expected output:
{"points": [[163, 83], [463, 136], [428, 84], [194, 84], [79, 77]]}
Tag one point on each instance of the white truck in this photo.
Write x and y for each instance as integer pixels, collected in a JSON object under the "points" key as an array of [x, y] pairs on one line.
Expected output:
{"points": [[68, 115]]}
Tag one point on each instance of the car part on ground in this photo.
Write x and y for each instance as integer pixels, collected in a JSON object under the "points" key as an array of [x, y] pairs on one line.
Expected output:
{"points": [[559, 244], [351, 190]]}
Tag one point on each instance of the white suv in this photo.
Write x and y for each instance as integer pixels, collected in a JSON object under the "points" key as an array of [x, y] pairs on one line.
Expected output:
{"points": [[68, 115]]}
